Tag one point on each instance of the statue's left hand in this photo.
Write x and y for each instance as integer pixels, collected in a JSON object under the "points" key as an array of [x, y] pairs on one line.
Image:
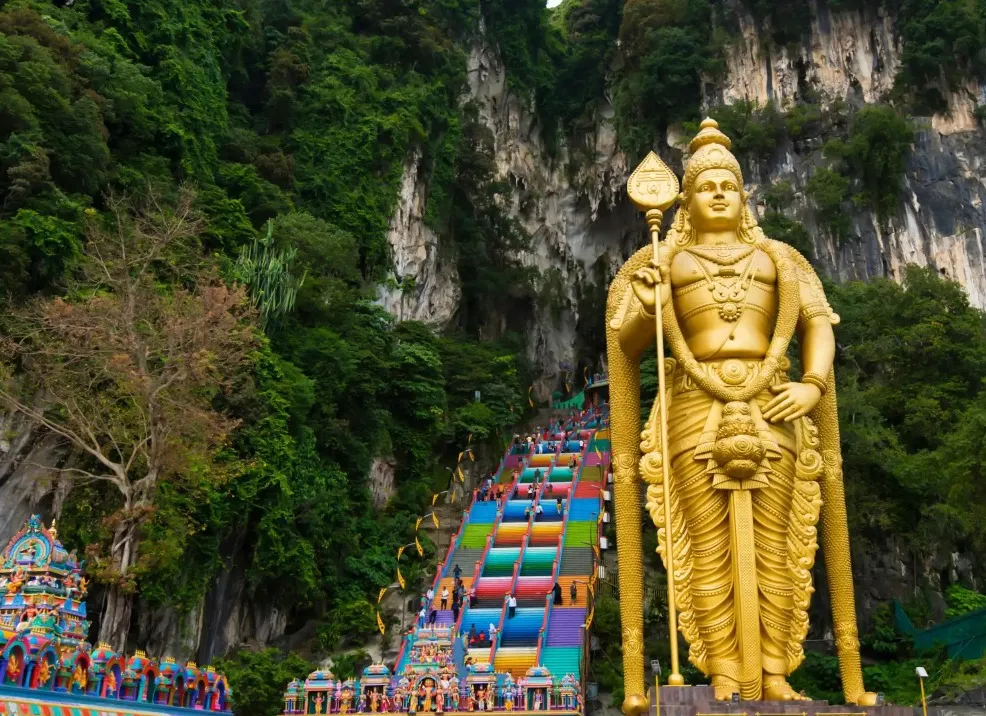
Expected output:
{"points": [[791, 401]]}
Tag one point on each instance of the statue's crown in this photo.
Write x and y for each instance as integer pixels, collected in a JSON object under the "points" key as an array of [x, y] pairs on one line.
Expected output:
{"points": [[709, 150]]}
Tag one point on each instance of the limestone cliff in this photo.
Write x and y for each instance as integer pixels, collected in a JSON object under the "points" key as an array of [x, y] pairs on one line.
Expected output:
{"points": [[577, 213]]}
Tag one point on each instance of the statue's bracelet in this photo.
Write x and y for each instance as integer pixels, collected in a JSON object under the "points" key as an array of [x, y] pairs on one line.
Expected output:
{"points": [[816, 380]]}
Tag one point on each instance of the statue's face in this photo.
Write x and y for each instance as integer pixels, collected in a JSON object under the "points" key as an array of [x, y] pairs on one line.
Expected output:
{"points": [[717, 202]]}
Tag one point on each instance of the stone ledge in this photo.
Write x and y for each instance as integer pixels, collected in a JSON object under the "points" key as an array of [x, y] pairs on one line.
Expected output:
{"points": [[701, 701]]}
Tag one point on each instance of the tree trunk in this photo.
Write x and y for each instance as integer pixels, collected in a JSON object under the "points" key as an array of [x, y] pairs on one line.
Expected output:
{"points": [[114, 623]]}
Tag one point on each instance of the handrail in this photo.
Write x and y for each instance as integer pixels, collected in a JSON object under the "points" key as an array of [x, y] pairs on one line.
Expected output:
{"points": [[408, 638], [543, 631]]}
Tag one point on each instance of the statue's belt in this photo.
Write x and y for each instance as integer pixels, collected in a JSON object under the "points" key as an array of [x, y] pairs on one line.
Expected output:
{"points": [[732, 372]]}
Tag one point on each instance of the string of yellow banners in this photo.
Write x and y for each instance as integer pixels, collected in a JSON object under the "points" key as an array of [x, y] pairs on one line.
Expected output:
{"points": [[466, 453]]}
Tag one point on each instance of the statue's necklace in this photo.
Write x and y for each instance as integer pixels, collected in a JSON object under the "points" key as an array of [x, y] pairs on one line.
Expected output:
{"points": [[722, 254], [729, 288]]}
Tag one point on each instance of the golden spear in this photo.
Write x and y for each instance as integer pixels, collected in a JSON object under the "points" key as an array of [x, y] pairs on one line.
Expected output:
{"points": [[653, 187]]}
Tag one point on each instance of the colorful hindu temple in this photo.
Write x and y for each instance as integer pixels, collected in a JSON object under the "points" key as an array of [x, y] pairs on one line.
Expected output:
{"points": [[47, 668], [504, 623]]}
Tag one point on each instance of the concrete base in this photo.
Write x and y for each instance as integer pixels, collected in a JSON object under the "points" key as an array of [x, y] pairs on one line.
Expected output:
{"points": [[701, 701]]}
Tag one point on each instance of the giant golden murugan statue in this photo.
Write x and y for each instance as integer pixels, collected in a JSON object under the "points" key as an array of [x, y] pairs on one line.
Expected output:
{"points": [[749, 458]]}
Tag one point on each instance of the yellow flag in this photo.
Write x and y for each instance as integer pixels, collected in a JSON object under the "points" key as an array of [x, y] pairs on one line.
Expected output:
{"points": [[380, 597], [468, 439], [434, 498], [595, 548], [380, 624], [511, 406], [472, 456], [459, 459], [462, 477], [585, 374], [434, 518], [400, 551], [592, 606], [400, 578], [417, 543], [417, 524], [529, 398]]}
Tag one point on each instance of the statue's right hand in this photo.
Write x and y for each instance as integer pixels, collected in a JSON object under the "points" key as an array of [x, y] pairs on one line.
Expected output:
{"points": [[645, 284]]}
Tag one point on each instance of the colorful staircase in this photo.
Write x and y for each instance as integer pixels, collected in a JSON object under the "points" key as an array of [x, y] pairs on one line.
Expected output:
{"points": [[513, 549]]}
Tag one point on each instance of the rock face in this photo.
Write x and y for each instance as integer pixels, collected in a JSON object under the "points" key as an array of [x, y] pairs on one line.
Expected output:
{"points": [[423, 286], [577, 213]]}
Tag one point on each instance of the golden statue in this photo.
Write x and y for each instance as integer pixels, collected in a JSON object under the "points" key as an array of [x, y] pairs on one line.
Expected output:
{"points": [[748, 458]]}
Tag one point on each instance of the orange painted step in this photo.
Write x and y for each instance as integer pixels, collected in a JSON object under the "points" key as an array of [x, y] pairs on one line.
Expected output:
{"points": [[566, 584], [448, 582]]}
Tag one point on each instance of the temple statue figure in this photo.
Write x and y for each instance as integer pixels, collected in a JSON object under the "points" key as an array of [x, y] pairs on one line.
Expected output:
{"points": [[753, 454]]}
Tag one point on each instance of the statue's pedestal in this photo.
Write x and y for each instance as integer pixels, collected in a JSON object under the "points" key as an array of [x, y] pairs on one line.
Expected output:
{"points": [[701, 701]]}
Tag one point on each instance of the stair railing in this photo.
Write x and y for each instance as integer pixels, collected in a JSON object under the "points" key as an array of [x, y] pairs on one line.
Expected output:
{"points": [[543, 631]]}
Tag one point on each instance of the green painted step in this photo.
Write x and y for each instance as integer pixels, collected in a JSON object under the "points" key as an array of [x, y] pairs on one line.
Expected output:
{"points": [[600, 445], [474, 536], [591, 474], [580, 534], [538, 561], [561, 660], [500, 562]]}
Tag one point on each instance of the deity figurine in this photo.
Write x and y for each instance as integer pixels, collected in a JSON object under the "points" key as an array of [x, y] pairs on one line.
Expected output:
{"points": [[751, 456], [374, 702], [319, 703], [490, 698]]}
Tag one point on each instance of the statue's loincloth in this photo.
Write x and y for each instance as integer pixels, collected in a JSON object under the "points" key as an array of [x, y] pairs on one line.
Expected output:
{"points": [[707, 440]]}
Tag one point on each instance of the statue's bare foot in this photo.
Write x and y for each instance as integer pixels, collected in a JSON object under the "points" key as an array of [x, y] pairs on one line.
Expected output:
{"points": [[867, 698], [776, 688], [725, 687]]}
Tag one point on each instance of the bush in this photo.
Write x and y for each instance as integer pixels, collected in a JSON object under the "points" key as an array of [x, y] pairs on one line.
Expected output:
{"points": [[349, 623], [258, 678], [962, 601], [875, 155], [829, 190]]}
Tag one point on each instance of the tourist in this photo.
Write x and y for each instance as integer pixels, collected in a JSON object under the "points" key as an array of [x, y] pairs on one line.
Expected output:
{"points": [[429, 596], [511, 606], [472, 597], [482, 639], [457, 572], [472, 633], [573, 591], [455, 611], [557, 594], [422, 615], [547, 488], [538, 510], [558, 504], [444, 597], [433, 617], [492, 632]]}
